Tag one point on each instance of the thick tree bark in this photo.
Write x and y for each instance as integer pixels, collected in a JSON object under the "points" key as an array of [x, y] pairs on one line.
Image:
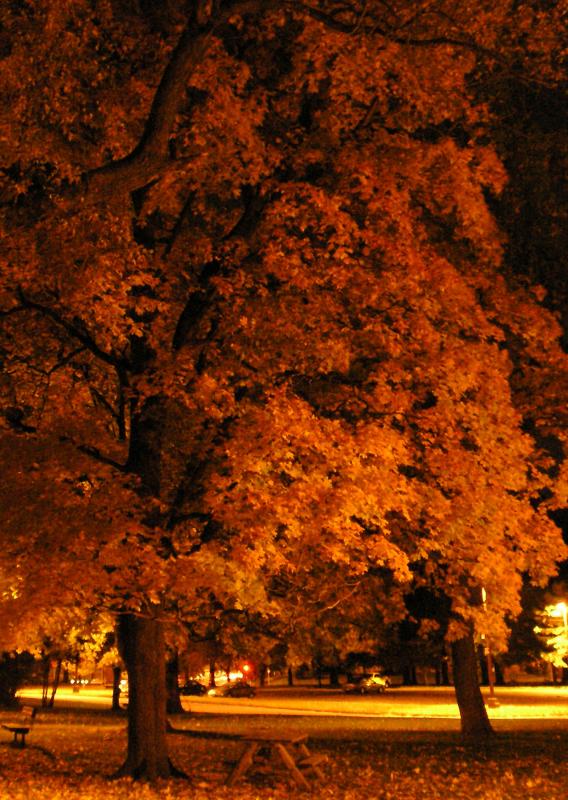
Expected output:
{"points": [[141, 642], [474, 720], [141, 637]]}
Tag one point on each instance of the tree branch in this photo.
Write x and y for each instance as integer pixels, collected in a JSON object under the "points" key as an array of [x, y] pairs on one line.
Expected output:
{"points": [[148, 159], [150, 155], [74, 331], [367, 24], [96, 454], [14, 310], [66, 359]]}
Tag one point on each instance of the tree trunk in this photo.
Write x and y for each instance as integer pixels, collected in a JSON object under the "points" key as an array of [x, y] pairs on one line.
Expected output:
{"points": [[409, 675], [141, 639], [262, 673], [474, 720], [290, 677], [173, 702], [45, 669], [55, 683], [442, 676], [445, 668], [116, 673], [141, 642], [499, 677], [334, 676]]}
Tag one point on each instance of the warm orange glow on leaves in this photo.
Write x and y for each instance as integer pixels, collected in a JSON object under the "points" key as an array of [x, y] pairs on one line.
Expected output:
{"points": [[277, 339]]}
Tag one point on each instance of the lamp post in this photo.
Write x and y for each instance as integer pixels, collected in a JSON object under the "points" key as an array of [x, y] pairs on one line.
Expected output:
{"points": [[492, 701]]}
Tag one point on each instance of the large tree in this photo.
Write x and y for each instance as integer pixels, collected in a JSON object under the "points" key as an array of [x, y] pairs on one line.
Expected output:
{"points": [[253, 315]]}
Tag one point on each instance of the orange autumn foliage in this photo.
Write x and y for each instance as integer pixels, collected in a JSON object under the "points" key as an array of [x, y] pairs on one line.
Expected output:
{"points": [[252, 297]]}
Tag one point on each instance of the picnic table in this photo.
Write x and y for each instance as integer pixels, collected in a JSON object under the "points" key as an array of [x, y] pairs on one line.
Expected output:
{"points": [[266, 750]]}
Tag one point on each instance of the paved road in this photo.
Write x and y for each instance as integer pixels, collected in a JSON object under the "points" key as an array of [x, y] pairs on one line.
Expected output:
{"points": [[547, 703], [527, 705]]}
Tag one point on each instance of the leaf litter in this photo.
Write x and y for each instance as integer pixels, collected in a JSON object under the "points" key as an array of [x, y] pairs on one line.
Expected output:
{"points": [[71, 756]]}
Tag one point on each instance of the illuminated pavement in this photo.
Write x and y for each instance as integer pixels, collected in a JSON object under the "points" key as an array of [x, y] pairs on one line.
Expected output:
{"points": [[543, 703], [547, 705]]}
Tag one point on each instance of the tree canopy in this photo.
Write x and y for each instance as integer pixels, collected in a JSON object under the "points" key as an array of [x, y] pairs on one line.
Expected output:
{"points": [[255, 319]]}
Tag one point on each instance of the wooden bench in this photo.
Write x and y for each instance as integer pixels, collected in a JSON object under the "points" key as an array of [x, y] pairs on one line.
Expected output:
{"points": [[22, 726]]}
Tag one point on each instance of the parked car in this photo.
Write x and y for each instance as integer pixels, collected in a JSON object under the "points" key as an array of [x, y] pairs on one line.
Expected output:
{"points": [[237, 689], [193, 687], [367, 684]]}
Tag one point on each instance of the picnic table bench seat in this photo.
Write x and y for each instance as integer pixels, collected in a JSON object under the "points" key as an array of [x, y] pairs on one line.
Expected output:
{"points": [[22, 725]]}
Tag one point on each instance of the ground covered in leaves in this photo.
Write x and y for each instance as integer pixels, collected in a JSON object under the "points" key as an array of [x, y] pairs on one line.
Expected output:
{"points": [[71, 754]]}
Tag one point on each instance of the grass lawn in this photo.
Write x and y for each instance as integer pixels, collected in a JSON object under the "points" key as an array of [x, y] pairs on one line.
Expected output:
{"points": [[71, 754]]}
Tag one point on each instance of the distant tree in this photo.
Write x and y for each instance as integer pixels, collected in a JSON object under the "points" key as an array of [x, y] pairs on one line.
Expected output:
{"points": [[524, 644], [551, 628]]}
